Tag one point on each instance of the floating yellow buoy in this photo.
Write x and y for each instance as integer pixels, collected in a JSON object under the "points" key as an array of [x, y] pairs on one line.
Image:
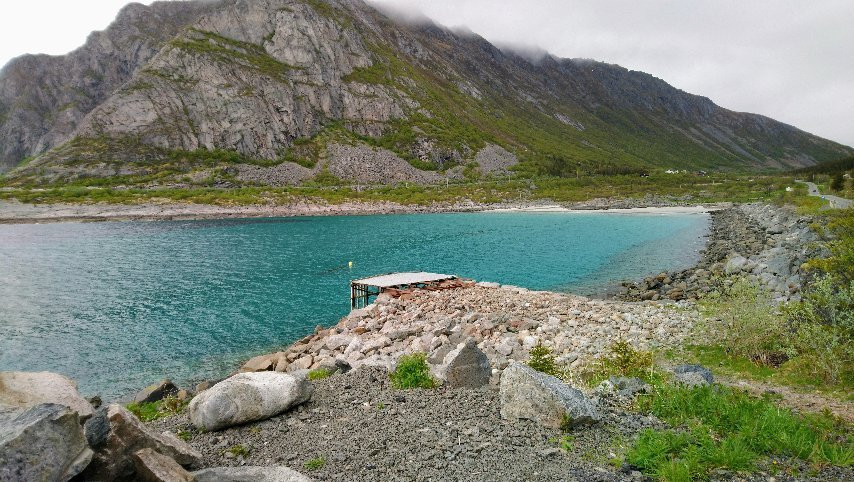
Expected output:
{"points": [[350, 264]]}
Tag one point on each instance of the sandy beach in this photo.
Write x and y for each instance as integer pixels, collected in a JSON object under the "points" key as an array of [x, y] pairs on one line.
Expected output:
{"points": [[15, 212]]}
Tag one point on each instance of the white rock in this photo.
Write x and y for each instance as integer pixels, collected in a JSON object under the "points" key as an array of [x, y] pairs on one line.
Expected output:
{"points": [[247, 397]]}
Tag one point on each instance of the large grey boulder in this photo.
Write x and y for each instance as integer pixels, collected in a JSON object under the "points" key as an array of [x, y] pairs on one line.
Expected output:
{"points": [[22, 390], [116, 434], [44, 442], [247, 397], [250, 474], [528, 394], [465, 367], [152, 466]]}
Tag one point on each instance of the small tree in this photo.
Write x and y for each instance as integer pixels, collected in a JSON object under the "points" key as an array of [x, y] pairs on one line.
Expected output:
{"points": [[838, 182]]}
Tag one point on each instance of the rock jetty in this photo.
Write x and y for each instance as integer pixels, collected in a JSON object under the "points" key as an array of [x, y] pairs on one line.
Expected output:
{"points": [[504, 321], [765, 243]]}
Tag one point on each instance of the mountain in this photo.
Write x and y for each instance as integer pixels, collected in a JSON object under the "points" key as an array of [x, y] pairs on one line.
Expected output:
{"points": [[279, 91]]}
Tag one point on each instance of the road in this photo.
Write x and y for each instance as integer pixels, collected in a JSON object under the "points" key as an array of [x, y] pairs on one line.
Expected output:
{"points": [[835, 201]]}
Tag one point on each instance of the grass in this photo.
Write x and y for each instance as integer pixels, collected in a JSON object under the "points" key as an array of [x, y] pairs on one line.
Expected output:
{"points": [[316, 463], [412, 372], [239, 450], [721, 428], [319, 374], [789, 374], [139, 189], [150, 411]]}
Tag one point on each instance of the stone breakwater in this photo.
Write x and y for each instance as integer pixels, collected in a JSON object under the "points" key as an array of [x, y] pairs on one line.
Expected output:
{"points": [[504, 321], [765, 243]]}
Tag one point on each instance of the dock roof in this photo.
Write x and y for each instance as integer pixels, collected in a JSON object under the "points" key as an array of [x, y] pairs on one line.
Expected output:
{"points": [[397, 279]]}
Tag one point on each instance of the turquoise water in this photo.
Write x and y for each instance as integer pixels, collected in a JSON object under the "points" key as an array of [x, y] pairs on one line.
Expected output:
{"points": [[119, 305]]}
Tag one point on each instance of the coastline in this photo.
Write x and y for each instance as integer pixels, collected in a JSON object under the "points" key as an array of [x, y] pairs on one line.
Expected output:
{"points": [[15, 212]]}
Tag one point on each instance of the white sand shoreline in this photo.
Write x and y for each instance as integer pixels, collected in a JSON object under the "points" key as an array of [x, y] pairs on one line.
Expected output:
{"points": [[14, 212], [661, 210]]}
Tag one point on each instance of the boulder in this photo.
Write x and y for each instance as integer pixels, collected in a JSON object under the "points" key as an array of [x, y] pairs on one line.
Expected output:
{"points": [[251, 474], [259, 363], [43, 442], [693, 375], [465, 367], [248, 397], [155, 467], [735, 265], [116, 434], [628, 387], [156, 392], [23, 390], [529, 394]]}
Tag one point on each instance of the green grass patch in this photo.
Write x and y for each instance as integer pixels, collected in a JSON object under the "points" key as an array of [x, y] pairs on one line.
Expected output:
{"points": [[721, 428], [319, 374], [150, 411], [239, 450], [412, 372], [316, 463]]}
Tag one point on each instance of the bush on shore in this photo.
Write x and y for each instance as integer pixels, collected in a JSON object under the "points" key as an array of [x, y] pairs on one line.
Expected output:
{"points": [[412, 372]]}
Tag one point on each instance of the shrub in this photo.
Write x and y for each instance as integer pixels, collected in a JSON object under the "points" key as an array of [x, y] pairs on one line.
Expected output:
{"points": [[542, 360], [412, 372], [823, 324], [624, 359], [741, 318], [319, 373]]}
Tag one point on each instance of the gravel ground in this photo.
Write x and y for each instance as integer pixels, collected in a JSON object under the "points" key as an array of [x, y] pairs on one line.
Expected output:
{"points": [[366, 430]]}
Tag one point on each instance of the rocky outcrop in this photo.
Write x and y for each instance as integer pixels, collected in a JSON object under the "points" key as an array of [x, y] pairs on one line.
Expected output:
{"points": [[44, 442], [528, 394], [248, 397], [43, 98], [22, 390], [116, 435], [255, 474]]}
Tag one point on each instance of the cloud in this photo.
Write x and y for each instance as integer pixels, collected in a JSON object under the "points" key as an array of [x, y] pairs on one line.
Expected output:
{"points": [[781, 58]]}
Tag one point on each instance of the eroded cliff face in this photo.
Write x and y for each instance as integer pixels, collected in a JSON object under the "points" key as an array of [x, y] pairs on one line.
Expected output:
{"points": [[272, 80], [251, 86], [43, 98]]}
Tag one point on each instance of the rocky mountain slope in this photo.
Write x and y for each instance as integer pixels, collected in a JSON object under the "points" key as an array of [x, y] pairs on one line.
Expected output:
{"points": [[280, 91]]}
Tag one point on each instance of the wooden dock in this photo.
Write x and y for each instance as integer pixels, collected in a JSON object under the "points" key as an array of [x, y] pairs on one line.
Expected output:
{"points": [[396, 284]]}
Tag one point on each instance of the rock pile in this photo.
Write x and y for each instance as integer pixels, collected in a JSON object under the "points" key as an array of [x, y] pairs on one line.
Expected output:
{"points": [[43, 435], [504, 321], [765, 243]]}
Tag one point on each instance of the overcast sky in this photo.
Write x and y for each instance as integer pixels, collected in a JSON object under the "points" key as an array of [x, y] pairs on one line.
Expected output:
{"points": [[790, 60]]}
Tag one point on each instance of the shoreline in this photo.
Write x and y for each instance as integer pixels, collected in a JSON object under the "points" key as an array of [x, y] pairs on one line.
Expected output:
{"points": [[15, 212]]}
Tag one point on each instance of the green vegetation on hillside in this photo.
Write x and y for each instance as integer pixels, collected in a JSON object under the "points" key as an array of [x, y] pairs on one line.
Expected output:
{"points": [[228, 50]]}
